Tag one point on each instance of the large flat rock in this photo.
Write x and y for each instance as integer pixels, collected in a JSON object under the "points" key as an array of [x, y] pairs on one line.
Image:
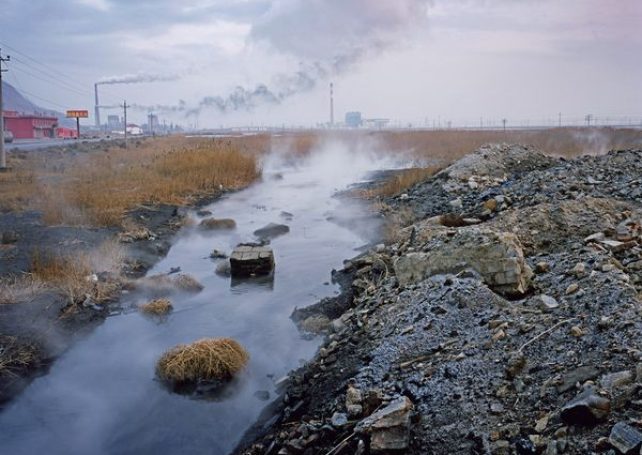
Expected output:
{"points": [[248, 260]]}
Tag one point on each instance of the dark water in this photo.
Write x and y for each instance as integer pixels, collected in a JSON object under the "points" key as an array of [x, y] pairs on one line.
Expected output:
{"points": [[101, 396]]}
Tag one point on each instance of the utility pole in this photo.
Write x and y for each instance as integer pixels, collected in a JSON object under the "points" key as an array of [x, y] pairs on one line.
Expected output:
{"points": [[559, 120], [588, 119], [151, 125], [125, 106], [504, 123], [3, 157]]}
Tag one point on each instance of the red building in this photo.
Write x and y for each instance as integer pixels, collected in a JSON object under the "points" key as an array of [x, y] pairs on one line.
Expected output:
{"points": [[66, 133], [29, 126]]}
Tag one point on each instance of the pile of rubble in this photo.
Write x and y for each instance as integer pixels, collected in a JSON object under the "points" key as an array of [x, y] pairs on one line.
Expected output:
{"points": [[506, 319]]}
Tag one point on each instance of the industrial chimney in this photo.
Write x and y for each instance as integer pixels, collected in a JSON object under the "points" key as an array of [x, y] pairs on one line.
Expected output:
{"points": [[331, 104], [97, 107]]}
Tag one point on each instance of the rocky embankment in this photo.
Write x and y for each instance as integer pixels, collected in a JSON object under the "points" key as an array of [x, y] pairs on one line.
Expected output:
{"points": [[505, 319]]}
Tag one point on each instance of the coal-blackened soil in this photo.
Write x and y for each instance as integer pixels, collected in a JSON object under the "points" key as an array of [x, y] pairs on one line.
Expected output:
{"points": [[505, 318]]}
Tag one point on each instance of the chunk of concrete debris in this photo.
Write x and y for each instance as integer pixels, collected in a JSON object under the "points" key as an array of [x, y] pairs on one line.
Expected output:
{"points": [[271, 231], [588, 408], [248, 260], [497, 256], [625, 438], [216, 224], [389, 428], [546, 303]]}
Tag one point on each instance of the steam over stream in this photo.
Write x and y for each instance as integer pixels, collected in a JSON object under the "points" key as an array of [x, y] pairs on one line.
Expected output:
{"points": [[101, 396]]}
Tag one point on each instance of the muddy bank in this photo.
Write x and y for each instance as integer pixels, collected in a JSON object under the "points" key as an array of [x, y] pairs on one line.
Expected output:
{"points": [[503, 318]]}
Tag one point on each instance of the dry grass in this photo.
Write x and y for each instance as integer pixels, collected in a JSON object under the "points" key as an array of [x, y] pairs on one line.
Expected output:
{"points": [[206, 359], [157, 307], [16, 357], [73, 276], [20, 289], [401, 181], [97, 188]]}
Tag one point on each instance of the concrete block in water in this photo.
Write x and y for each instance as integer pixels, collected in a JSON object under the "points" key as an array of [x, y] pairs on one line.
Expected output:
{"points": [[248, 260]]}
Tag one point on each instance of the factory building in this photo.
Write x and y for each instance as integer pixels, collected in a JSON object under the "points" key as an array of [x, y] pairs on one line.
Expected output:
{"points": [[29, 126]]}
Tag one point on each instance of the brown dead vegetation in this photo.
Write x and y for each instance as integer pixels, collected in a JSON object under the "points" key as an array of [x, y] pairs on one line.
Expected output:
{"points": [[16, 356], [207, 359], [401, 181], [157, 307], [96, 188], [75, 277]]}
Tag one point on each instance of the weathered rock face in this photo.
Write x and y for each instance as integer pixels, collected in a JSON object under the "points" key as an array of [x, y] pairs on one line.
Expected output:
{"points": [[248, 260], [496, 256], [389, 428]]}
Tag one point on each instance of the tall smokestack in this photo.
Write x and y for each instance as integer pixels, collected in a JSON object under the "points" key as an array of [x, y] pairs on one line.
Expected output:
{"points": [[97, 108], [331, 104]]}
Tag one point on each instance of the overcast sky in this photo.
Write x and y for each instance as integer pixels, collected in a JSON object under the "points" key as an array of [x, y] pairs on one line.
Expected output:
{"points": [[239, 62]]}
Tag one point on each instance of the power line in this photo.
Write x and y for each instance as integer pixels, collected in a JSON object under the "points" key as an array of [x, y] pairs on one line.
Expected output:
{"points": [[49, 81], [50, 68], [60, 80]]}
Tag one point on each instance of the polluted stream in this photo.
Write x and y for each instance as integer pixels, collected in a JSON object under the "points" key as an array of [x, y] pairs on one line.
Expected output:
{"points": [[102, 395]]}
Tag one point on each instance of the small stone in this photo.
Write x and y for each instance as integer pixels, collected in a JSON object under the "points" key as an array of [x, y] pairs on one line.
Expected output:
{"points": [[572, 289], [587, 408], [499, 335], [625, 438], [579, 269], [546, 303], [542, 267], [490, 204], [541, 424], [577, 331], [217, 254], [456, 203], [339, 420]]}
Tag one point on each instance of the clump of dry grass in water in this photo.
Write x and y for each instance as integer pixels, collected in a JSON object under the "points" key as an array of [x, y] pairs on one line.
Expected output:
{"points": [[208, 359], [187, 283], [157, 307]]}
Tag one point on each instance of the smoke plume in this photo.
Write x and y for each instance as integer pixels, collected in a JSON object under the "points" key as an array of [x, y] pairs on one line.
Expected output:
{"points": [[137, 78], [328, 37]]}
